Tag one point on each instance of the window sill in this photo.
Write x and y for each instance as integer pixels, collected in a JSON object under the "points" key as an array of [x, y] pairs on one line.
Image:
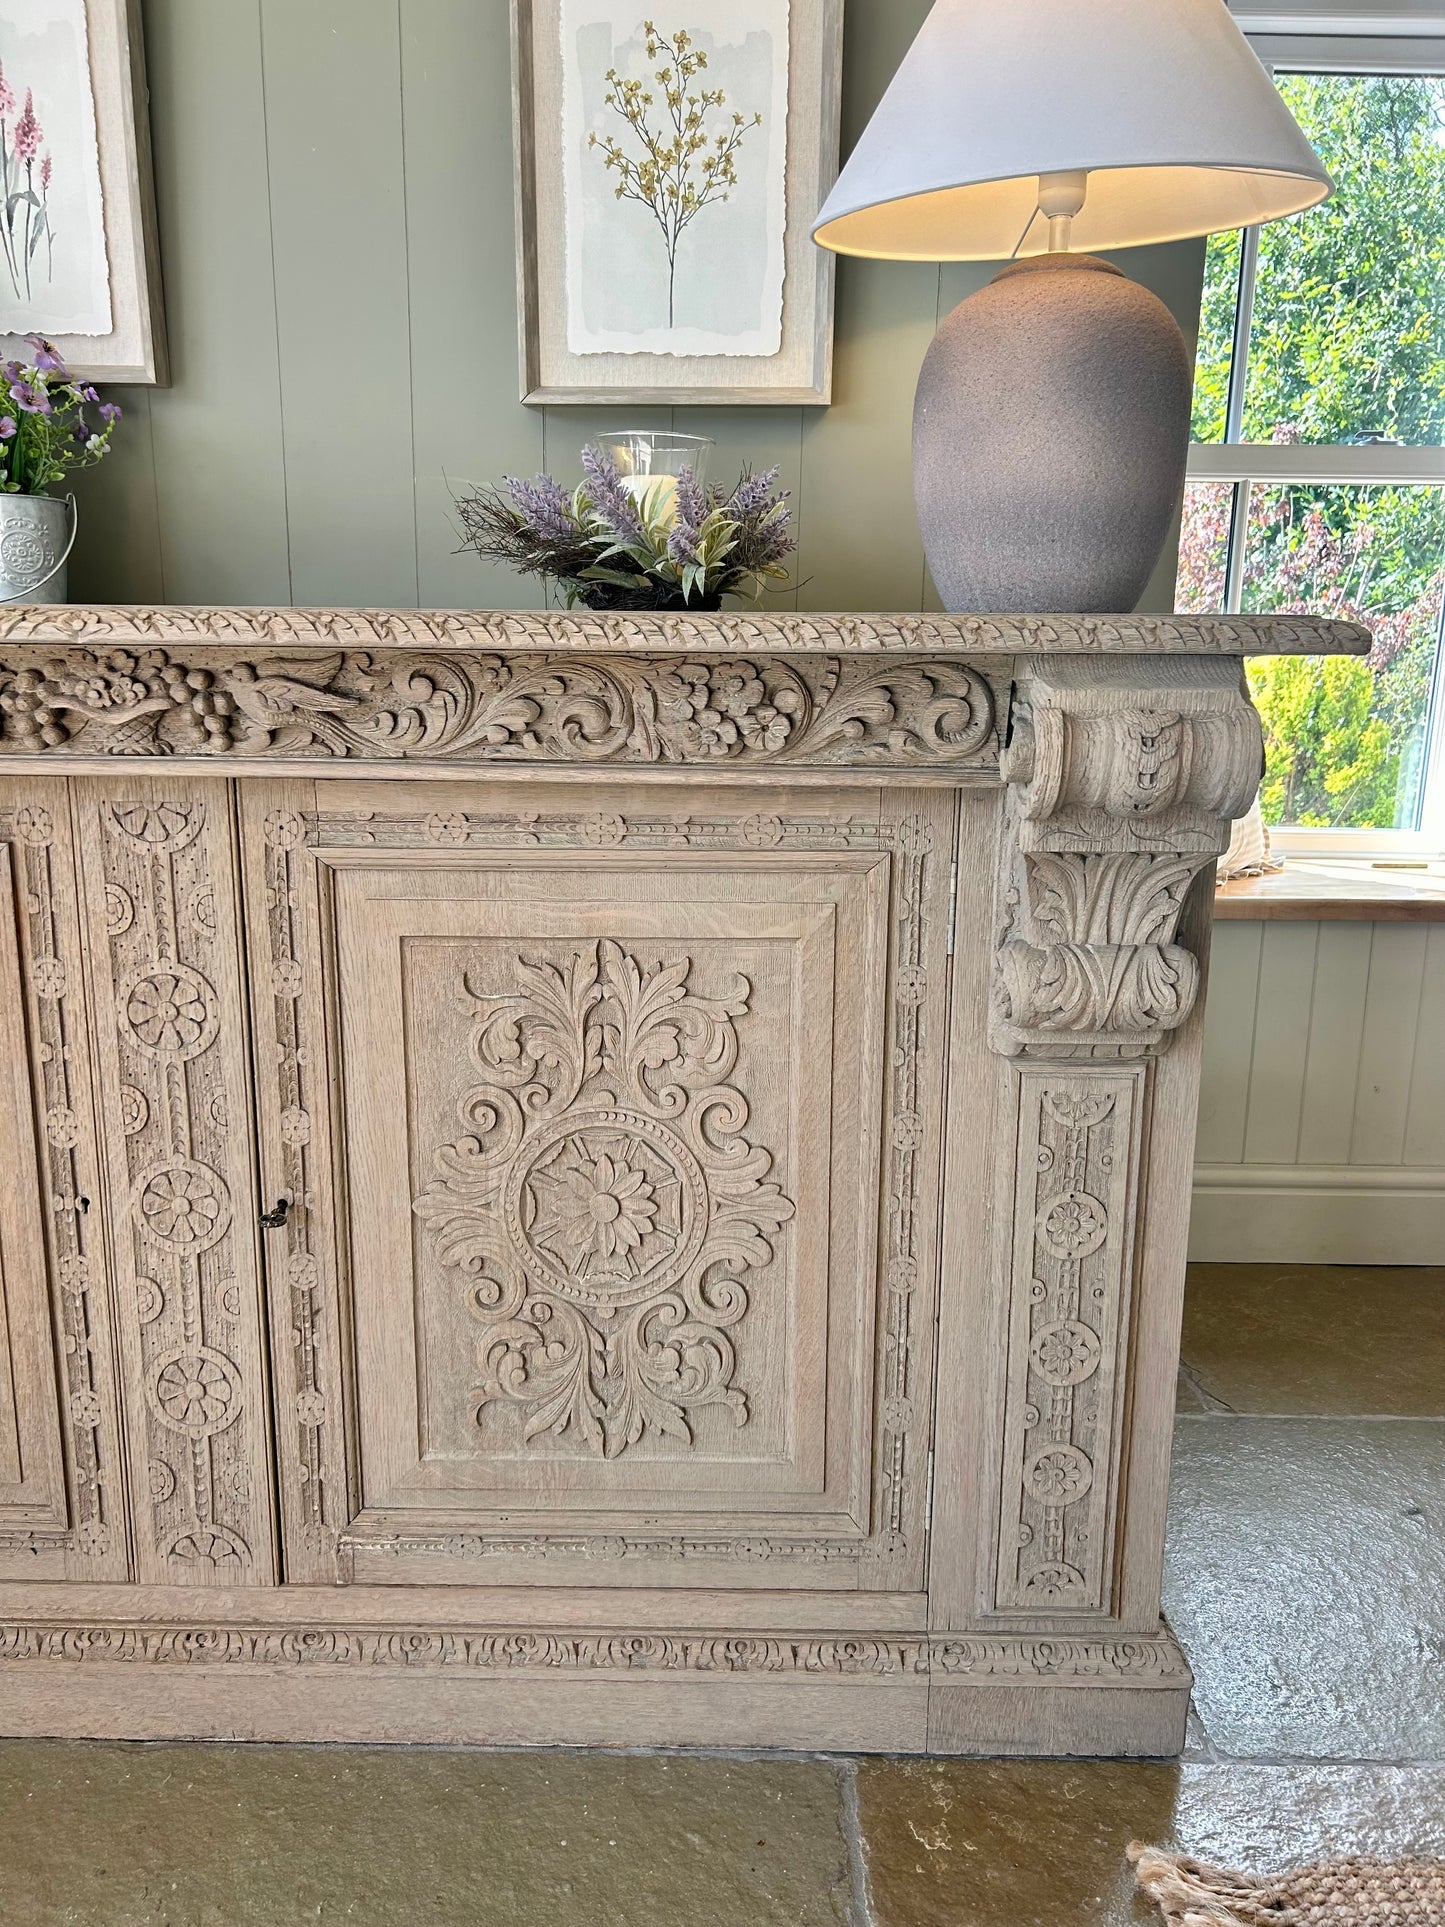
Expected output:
{"points": [[1311, 890]]}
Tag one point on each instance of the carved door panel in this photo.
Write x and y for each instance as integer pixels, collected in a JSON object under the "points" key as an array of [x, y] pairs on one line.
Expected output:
{"points": [[64, 1516], [32, 1471], [173, 1096], [632, 1105]]}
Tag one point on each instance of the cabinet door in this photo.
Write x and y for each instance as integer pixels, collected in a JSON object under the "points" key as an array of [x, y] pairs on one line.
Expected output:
{"points": [[168, 1014], [631, 1103], [62, 1486]]}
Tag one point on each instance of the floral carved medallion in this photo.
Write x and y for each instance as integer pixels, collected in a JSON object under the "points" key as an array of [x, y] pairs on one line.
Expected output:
{"points": [[607, 1202]]}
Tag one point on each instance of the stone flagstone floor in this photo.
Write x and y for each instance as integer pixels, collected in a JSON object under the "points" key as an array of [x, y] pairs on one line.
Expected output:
{"points": [[1306, 1579]]}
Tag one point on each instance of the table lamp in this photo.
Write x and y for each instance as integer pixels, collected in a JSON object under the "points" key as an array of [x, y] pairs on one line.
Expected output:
{"points": [[1051, 425]]}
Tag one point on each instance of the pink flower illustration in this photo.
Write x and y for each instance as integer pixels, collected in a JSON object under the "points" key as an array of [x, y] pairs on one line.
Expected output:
{"points": [[28, 136], [45, 169], [7, 95]]}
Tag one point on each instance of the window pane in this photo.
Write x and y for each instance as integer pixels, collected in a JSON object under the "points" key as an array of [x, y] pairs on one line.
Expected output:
{"points": [[1348, 340], [1204, 548], [1344, 735], [1216, 336]]}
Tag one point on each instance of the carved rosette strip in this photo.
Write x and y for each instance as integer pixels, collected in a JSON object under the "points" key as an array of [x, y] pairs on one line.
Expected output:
{"points": [[1077, 1165], [296, 1164], [907, 1229], [159, 866], [37, 826], [818, 711]]}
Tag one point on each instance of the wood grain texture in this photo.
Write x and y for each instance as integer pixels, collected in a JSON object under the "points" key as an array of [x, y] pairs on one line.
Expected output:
{"points": [[1315, 891]]}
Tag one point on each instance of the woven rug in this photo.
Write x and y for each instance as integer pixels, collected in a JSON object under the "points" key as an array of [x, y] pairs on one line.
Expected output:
{"points": [[1355, 1892]]}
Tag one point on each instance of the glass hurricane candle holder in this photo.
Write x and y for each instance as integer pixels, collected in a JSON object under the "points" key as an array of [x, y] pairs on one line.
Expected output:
{"points": [[651, 463]]}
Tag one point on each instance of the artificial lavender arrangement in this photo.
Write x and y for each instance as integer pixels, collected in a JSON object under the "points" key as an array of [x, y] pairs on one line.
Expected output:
{"points": [[45, 430], [655, 542]]}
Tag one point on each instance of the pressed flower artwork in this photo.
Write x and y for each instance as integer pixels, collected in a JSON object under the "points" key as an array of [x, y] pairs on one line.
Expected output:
{"points": [[53, 270], [675, 176]]}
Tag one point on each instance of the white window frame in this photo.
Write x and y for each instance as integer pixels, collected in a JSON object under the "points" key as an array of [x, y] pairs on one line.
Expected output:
{"points": [[1323, 37]]}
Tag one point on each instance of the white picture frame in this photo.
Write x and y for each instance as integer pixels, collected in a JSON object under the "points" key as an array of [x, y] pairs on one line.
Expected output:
{"points": [[741, 309], [110, 290]]}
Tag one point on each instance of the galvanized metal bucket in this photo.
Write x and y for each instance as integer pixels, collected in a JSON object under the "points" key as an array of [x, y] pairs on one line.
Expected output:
{"points": [[35, 547]]}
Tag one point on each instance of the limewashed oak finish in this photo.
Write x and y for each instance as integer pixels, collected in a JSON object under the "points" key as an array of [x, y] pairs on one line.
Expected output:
{"points": [[601, 1179]]}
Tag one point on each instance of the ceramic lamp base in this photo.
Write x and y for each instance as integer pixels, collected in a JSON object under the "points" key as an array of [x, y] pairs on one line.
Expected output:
{"points": [[1050, 435]]}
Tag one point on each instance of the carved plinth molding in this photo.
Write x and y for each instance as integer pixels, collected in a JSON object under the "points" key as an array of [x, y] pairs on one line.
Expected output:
{"points": [[512, 1649]]}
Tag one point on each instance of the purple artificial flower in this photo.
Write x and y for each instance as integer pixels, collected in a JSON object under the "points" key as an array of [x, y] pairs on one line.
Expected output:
{"points": [[47, 356], [608, 496], [108, 411], [12, 370], [692, 511], [692, 504], [87, 393], [33, 400], [545, 503], [752, 495], [7, 428]]}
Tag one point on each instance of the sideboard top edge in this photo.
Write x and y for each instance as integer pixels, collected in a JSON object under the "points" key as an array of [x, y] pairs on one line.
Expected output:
{"points": [[278, 627]]}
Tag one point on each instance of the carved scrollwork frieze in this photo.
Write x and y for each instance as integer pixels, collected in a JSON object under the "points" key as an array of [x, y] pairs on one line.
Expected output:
{"points": [[821, 711]]}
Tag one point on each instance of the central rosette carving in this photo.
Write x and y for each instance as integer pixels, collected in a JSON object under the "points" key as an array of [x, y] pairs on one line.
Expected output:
{"points": [[608, 1203]]}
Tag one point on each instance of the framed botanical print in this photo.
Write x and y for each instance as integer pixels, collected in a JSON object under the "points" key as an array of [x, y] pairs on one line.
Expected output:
{"points": [[671, 157], [78, 256]]}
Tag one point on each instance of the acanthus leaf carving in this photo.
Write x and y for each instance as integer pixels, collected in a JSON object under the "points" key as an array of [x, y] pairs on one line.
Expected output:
{"points": [[1120, 795], [608, 1204]]}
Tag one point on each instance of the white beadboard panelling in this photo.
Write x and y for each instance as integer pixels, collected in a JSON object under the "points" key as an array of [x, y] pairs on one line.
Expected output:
{"points": [[1425, 1118], [1337, 1025], [1229, 1017], [1322, 1115], [1281, 1042], [1387, 1048]]}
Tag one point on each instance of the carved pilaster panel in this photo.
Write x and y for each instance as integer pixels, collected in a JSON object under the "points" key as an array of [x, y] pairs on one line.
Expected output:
{"points": [[35, 821], [1073, 1237], [170, 1026]]}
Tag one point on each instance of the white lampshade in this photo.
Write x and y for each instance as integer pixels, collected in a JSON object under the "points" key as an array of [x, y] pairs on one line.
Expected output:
{"points": [[1163, 103]]}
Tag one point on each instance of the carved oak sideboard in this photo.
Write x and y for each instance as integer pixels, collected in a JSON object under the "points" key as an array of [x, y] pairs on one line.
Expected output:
{"points": [[602, 1179]]}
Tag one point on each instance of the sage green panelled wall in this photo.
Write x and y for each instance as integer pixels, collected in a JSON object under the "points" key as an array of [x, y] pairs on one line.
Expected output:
{"points": [[334, 180]]}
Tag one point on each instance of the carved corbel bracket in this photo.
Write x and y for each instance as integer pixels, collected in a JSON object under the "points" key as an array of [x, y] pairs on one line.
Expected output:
{"points": [[1124, 778]]}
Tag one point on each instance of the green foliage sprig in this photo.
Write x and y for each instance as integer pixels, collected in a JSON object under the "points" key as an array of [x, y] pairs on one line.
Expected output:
{"points": [[1347, 345]]}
